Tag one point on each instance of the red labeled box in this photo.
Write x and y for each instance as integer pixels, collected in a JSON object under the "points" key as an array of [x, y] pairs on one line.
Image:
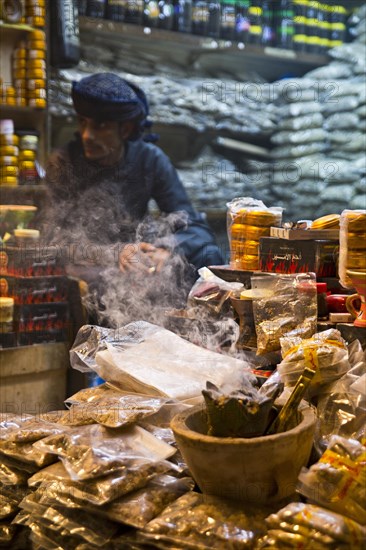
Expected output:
{"points": [[34, 290], [37, 261], [286, 256]]}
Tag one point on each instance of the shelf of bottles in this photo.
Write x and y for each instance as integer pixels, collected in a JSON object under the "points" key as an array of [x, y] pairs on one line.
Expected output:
{"points": [[299, 25]]}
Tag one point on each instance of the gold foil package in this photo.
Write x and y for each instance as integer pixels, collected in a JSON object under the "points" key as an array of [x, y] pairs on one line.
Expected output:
{"points": [[247, 221], [352, 243]]}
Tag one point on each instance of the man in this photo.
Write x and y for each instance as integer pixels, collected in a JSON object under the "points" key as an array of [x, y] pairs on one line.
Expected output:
{"points": [[102, 182]]}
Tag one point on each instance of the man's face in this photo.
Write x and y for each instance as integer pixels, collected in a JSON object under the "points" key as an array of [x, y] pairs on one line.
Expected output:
{"points": [[102, 140]]}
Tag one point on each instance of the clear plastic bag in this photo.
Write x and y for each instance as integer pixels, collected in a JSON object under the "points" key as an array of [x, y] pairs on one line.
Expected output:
{"points": [[342, 406], [326, 352], [11, 475], [26, 453], [334, 531], [144, 358], [92, 451], [197, 521], [7, 534], [338, 480], [101, 490], [113, 411], [210, 291], [26, 429], [10, 498], [283, 305], [95, 393]]}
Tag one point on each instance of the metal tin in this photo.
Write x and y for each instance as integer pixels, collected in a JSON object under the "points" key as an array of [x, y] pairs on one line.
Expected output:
{"points": [[39, 93], [37, 54], [36, 64], [29, 142], [19, 74], [256, 217], [356, 221], [248, 232], [326, 222], [9, 180], [20, 53], [35, 84], [20, 63], [36, 21], [8, 139], [6, 171], [36, 74], [39, 103], [10, 91], [8, 160], [37, 45], [356, 241], [27, 154], [37, 35], [9, 150]]}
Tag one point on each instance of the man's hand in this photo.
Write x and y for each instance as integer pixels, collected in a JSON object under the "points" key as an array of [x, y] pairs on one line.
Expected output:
{"points": [[143, 258]]}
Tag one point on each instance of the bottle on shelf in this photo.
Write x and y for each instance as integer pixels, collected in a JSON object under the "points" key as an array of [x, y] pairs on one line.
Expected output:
{"points": [[183, 16], [284, 24], [82, 7], [242, 20], [228, 20], [267, 26], [151, 13], [134, 11], [200, 16], [115, 10], [213, 27], [166, 14], [255, 14], [96, 8], [64, 34]]}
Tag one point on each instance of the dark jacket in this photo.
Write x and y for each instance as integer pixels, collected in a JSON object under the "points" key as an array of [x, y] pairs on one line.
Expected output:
{"points": [[106, 204]]}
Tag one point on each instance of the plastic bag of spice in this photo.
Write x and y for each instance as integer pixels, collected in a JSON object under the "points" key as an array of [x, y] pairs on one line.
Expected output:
{"points": [[92, 451], [101, 490], [300, 525], [198, 521], [113, 411], [326, 352], [11, 475], [89, 395], [283, 305], [10, 497], [26, 429], [342, 405], [26, 453], [338, 480]]}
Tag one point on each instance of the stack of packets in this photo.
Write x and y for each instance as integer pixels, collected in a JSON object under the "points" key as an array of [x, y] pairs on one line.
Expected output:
{"points": [[247, 221], [352, 255]]}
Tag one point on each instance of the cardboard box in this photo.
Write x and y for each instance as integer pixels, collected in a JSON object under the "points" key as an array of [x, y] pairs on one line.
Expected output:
{"points": [[287, 256], [305, 234]]}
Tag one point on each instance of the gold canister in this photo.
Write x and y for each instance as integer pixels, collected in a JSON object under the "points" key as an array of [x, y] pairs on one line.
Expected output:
{"points": [[27, 154], [356, 241], [356, 260], [10, 91], [8, 161], [37, 103], [249, 232], [40, 93], [19, 63], [36, 45], [331, 221], [262, 218], [20, 53], [33, 84], [21, 101], [36, 74], [6, 171], [36, 64], [20, 82], [356, 222], [37, 54], [9, 181], [38, 35], [9, 150], [36, 21], [8, 139], [19, 74]]}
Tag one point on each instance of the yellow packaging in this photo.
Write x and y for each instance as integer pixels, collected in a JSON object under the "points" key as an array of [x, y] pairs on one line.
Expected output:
{"points": [[29, 142], [36, 21], [9, 180], [356, 241], [36, 45], [38, 103], [27, 165], [21, 101], [8, 161], [41, 3], [19, 63], [20, 53], [331, 221], [37, 35], [8, 139], [36, 84], [6, 171], [10, 91], [36, 74], [27, 154], [11, 100], [20, 82], [37, 54], [248, 232], [19, 74], [37, 94], [36, 64], [35, 11], [9, 150]]}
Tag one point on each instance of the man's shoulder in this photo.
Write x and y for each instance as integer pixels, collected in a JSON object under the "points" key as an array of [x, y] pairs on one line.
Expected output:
{"points": [[146, 149]]}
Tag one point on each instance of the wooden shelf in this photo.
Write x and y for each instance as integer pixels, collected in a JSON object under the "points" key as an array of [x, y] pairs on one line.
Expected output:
{"points": [[272, 63]]}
